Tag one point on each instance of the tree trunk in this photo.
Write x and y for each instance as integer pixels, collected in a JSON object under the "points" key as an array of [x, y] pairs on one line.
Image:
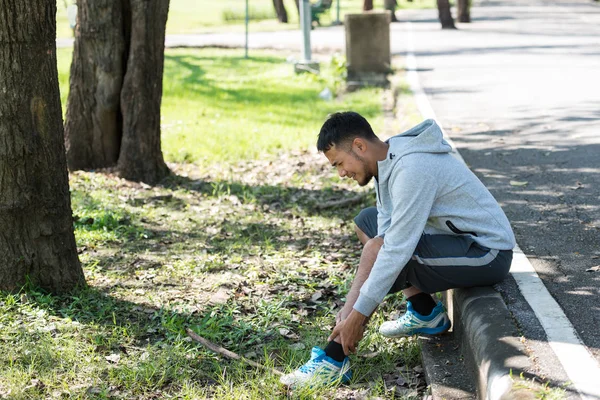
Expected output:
{"points": [[113, 111], [298, 8], [463, 10], [92, 130], [280, 11], [36, 235], [391, 5], [367, 5], [445, 14], [141, 157]]}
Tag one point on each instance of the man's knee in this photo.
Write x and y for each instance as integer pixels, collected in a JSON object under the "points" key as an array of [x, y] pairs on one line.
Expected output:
{"points": [[363, 237], [372, 246], [366, 223]]}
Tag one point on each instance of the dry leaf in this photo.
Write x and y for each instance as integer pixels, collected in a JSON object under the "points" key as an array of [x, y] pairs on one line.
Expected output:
{"points": [[370, 355], [518, 183], [113, 358], [297, 346], [578, 185], [94, 390], [401, 381], [318, 294], [284, 331], [288, 333], [220, 297]]}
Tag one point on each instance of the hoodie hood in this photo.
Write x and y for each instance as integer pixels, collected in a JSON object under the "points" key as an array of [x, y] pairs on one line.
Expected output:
{"points": [[426, 137]]}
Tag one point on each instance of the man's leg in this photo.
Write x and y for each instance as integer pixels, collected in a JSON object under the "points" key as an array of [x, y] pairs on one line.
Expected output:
{"points": [[421, 302], [443, 262], [366, 224], [332, 362], [361, 235], [367, 260]]}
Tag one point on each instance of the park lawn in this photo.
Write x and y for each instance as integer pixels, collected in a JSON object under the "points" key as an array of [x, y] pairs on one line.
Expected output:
{"points": [[219, 107], [202, 16], [250, 264], [233, 245]]}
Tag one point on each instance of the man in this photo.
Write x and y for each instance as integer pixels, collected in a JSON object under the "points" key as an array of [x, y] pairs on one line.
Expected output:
{"points": [[436, 227]]}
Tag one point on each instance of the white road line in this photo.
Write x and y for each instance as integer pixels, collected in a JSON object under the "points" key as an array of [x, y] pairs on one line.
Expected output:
{"points": [[581, 367]]}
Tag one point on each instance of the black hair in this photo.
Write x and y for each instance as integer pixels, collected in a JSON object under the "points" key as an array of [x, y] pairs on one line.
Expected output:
{"points": [[341, 128]]}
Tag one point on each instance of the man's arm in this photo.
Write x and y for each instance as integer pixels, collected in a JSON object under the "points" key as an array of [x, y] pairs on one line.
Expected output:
{"points": [[367, 259]]}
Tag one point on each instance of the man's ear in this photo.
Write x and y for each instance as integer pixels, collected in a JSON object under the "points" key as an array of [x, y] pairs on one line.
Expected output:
{"points": [[359, 145]]}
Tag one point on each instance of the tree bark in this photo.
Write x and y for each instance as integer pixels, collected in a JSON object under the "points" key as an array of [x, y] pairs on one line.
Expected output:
{"points": [[36, 236], [298, 8], [280, 11], [92, 131], [391, 5], [367, 5], [141, 157], [463, 10], [113, 112], [445, 14]]}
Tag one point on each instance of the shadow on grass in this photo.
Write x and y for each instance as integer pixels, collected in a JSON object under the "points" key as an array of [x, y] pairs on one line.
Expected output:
{"points": [[274, 197], [277, 98], [128, 330]]}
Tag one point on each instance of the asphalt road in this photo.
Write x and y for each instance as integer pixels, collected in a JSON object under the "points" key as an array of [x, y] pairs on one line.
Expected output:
{"points": [[518, 90]]}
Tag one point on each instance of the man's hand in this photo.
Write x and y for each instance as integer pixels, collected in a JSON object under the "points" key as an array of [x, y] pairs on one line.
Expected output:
{"points": [[349, 331], [343, 313]]}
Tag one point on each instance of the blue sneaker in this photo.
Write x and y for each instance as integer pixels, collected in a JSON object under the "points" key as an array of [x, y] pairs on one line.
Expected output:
{"points": [[412, 323], [320, 370]]}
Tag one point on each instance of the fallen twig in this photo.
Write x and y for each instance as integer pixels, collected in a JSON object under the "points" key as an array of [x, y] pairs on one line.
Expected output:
{"points": [[227, 353], [344, 202]]}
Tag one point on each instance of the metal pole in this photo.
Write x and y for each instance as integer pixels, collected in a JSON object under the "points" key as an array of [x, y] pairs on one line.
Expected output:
{"points": [[337, 21], [306, 65], [305, 23], [247, 19]]}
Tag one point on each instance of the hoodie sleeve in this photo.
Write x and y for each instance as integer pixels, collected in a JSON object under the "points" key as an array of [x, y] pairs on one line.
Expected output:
{"points": [[383, 221], [413, 193]]}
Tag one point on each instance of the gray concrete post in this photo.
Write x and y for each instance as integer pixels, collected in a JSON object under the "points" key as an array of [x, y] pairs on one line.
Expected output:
{"points": [[368, 52]]}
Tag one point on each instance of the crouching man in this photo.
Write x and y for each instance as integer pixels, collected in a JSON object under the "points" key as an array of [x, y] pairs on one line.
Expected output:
{"points": [[435, 227]]}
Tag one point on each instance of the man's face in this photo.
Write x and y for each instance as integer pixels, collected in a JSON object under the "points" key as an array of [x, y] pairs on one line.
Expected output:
{"points": [[349, 164]]}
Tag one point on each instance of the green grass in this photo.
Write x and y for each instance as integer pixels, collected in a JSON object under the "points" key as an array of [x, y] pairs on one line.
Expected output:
{"points": [[219, 107], [201, 16], [231, 246], [155, 257]]}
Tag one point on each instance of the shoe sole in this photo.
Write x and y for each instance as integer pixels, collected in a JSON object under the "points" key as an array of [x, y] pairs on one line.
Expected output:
{"points": [[428, 331]]}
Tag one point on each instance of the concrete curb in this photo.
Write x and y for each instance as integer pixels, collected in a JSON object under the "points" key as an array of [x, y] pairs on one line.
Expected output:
{"points": [[489, 339], [487, 336]]}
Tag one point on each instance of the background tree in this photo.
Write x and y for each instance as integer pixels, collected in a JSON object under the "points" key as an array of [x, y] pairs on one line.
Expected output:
{"points": [[36, 235], [391, 5], [113, 109], [445, 14], [463, 8], [280, 11]]}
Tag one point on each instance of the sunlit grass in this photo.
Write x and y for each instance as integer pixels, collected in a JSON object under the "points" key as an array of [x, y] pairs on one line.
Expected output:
{"points": [[219, 107], [238, 216], [202, 16]]}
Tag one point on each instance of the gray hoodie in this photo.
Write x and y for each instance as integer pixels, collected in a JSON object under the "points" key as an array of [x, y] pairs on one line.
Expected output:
{"points": [[421, 188]]}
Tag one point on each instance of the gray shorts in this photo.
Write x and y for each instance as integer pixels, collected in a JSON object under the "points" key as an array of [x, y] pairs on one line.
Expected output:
{"points": [[442, 262]]}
